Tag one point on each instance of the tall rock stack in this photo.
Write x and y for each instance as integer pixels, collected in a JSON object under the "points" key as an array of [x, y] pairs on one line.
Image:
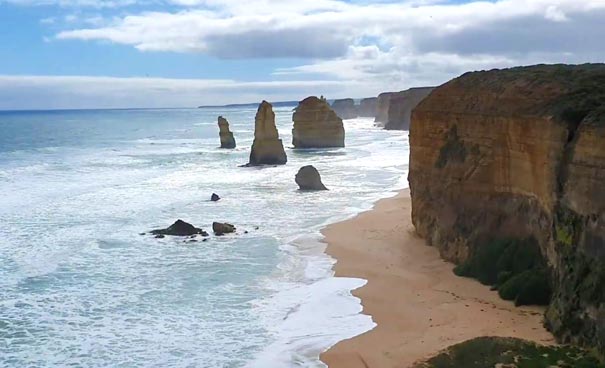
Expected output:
{"points": [[316, 125], [267, 148], [507, 167], [226, 136], [345, 108]]}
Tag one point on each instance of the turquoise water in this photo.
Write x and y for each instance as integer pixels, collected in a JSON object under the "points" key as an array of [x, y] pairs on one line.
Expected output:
{"points": [[80, 287]]}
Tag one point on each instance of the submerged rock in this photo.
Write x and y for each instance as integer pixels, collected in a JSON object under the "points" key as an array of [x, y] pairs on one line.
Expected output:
{"points": [[308, 178], [179, 228], [215, 197], [316, 125], [267, 148], [222, 228], [226, 136]]}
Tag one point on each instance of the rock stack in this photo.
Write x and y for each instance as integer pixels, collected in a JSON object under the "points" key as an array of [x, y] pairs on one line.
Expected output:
{"points": [[308, 178], [316, 125], [227, 140], [267, 148]]}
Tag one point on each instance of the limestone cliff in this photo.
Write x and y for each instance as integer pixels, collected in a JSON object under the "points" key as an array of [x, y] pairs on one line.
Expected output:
{"points": [[505, 160], [316, 125], [345, 108], [367, 107], [226, 136], [382, 107], [400, 107], [267, 148]]}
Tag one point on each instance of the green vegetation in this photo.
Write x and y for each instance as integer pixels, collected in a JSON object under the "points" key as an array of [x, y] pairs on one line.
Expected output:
{"points": [[490, 352], [515, 268]]}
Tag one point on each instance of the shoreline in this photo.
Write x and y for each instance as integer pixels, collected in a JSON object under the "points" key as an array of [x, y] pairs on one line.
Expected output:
{"points": [[419, 305]]}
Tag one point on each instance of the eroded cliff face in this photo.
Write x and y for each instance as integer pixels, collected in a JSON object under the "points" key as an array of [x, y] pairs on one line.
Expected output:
{"points": [[267, 148], [518, 156], [316, 125], [345, 108], [382, 107], [368, 107], [400, 107]]}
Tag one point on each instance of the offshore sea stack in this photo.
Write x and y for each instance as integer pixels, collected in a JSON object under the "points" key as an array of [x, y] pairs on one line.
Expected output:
{"points": [[267, 148], [345, 108], [507, 174], [226, 136], [316, 125]]}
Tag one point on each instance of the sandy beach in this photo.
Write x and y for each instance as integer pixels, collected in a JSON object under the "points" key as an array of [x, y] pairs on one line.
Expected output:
{"points": [[419, 305]]}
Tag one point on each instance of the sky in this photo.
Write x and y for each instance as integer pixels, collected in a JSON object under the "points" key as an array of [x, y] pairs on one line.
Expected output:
{"points": [[60, 54]]}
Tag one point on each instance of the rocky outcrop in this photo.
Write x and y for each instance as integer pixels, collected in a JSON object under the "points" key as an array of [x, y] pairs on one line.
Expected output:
{"points": [[400, 107], [507, 161], [382, 107], [316, 125], [367, 107], [222, 228], [345, 108], [267, 148], [226, 136], [308, 178], [180, 228]]}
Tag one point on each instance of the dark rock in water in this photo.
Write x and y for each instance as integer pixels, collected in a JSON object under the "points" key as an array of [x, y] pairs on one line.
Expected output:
{"points": [[160, 236], [142, 233], [215, 197], [180, 228], [308, 178], [246, 232], [220, 228]]}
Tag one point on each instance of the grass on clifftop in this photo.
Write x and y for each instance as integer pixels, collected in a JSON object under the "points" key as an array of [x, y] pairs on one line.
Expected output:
{"points": [[515, 268], [500, 352]]}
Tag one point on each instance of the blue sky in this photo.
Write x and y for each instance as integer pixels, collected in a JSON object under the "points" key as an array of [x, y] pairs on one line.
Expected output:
{"points": [[173, 53]]}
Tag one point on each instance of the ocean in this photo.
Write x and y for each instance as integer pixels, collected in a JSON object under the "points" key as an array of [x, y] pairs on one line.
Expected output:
{"points": [[80, 287]]}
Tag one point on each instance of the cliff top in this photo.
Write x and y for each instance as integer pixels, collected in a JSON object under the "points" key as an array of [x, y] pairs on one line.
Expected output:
{"points": [[569, 93]]}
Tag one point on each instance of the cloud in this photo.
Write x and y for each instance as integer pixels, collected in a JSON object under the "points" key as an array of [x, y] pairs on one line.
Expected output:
{"points": [[373, 45], [57, 92]]}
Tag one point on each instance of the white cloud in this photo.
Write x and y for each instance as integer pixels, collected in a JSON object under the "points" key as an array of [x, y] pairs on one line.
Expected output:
{"points": [[373, 45]]}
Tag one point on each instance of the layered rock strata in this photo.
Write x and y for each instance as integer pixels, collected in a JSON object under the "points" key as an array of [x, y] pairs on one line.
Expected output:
{"points": [[226, 136], [316, 125], [517, 156], [267, 148]]}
